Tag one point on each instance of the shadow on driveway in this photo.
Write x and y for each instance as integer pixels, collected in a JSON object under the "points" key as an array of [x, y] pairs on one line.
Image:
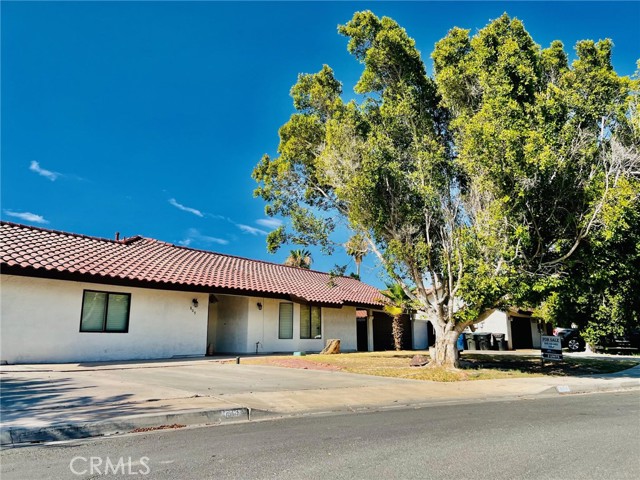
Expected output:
{"points": [[40, 401]]}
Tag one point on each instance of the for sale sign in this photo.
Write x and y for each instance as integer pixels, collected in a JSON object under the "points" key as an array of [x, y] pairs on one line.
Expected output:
{"points": [[551, 347]]}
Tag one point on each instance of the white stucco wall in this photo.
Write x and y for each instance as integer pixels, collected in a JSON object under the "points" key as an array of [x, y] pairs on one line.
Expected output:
{"points": [[370, 332], [497, 322], [341, 323], [252, 325], [40, 323]]}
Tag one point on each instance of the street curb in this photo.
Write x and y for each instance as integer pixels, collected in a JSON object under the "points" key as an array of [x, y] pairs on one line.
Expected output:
{"points": [[125, 424], [610, 386]]}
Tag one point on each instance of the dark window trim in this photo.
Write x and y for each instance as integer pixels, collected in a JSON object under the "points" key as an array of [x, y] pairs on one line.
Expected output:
{"points": [[106, 312], [311, 335]]}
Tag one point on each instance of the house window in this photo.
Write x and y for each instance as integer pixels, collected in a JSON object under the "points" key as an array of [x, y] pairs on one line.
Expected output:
{"points": [[285, 321], [105, 312], [310, 321]]}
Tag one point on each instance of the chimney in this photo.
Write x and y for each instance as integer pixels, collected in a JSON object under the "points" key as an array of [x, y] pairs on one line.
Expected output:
{"points": [[117, 236]]}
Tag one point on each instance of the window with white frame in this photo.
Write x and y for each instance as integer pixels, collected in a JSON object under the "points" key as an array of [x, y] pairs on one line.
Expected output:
{"points": [[105, 312], [310, 321], [285, 321]]}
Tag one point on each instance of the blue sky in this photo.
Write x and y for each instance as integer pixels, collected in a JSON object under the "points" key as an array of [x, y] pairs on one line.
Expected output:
{"points": [[148, 118]]}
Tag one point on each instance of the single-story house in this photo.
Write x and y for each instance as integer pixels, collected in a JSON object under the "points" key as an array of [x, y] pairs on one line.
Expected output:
{"points": [[522, 330], [67, 297]]}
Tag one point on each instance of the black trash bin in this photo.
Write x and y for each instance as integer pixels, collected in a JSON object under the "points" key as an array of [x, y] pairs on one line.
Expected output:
{"points": [[483, 341], [500, 341], [471, 342]]}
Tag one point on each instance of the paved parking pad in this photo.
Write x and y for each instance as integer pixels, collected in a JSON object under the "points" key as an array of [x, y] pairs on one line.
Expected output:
{"points": [[44, 397]]}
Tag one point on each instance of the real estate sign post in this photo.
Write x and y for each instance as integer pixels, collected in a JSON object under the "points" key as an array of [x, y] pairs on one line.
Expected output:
{"points": [[551, 347]]}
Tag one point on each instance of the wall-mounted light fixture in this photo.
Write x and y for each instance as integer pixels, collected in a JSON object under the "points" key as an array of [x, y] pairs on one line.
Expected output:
{"points": [[259, 306], [195, 302]]}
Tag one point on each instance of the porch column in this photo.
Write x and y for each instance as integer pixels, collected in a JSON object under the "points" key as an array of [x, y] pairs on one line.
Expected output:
{"points": [[369, 331]]}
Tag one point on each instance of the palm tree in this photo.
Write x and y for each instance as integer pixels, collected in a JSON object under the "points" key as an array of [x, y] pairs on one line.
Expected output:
{"points": [[396, 303], [299, 258], [357, 248]]}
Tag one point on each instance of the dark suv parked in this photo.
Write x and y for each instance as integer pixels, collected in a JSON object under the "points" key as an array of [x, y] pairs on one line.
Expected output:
{"points": [[571, 338]]}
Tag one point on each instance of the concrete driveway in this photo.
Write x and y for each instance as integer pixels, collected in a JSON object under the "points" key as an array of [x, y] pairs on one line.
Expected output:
{"points": [[38, 395]]}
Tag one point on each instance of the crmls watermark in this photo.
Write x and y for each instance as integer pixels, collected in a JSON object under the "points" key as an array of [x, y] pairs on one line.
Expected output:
{"points": [[106, 466]]}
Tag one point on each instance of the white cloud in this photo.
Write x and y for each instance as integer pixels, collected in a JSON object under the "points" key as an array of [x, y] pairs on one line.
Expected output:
{"points": [[251, 230], [269, 222], [179, 206], [35, 167], [219, 217], [27, 216], [194, 235]]}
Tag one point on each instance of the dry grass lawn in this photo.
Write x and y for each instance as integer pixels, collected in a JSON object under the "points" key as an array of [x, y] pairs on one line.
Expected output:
{"points": [[474, 367]]}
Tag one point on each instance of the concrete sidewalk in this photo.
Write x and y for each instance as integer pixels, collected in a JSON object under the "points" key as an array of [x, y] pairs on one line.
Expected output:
{"points": [[53, 402]]}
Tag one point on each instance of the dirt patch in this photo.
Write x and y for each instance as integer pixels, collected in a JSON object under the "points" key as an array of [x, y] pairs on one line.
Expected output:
{"points": [[300, 363]]}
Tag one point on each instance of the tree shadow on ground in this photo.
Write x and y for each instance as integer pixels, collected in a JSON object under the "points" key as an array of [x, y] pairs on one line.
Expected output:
{"points": [[46, 401], [600, 368]]}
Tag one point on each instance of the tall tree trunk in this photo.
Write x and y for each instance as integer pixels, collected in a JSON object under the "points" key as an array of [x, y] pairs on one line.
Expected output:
{"points": [[445, 352], [397, 332]]}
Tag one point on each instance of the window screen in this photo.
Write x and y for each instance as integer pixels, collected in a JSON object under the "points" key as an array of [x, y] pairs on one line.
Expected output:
{"points": [[105, 312], [305, 321], [310, 321], [316, 323], [286, 321]]}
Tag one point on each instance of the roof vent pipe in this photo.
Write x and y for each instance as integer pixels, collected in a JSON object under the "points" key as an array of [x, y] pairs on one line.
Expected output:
{"points": [[117, 236]]}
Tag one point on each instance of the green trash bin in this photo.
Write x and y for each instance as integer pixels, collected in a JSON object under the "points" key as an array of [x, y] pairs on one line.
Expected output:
{"points": [[471, 342], [483, 341]]}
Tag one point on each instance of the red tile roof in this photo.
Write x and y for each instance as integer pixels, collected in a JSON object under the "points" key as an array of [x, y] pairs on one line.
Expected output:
{"points": [[145, 262]]}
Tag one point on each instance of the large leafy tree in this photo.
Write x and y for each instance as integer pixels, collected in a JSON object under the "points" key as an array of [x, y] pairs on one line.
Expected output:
{"points": [[474, 187], [600, 291], [599, 287]]}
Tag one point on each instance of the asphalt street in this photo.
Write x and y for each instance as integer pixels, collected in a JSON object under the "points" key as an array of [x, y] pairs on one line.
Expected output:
{"points": [[594, 436]]}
